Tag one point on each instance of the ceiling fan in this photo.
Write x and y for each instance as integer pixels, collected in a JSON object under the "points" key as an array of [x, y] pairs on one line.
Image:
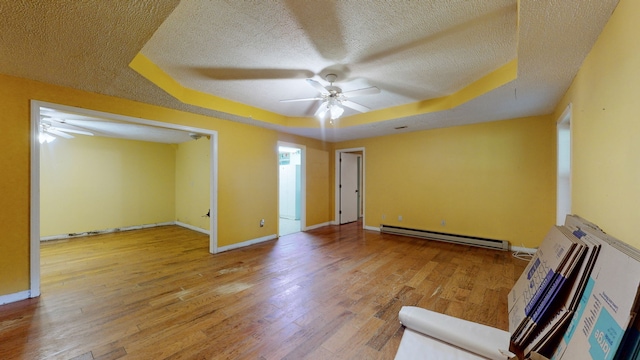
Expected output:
{"points": [[51, 128], [333, 97]]}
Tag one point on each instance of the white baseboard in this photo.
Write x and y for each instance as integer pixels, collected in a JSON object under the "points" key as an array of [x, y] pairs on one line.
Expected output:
{"points": [[105, 231], [523, 249], [9, 298], [247, 243], [317, 226], [334, 222], [191, 227]]}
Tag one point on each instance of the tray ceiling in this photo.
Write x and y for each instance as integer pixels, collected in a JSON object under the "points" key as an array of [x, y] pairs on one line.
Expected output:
{"points": [[245, 56]]}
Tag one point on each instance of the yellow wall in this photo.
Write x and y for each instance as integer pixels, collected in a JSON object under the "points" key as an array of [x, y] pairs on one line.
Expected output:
{"points": [[246, 182], [605, 96], [91, 183], [493, 180], [247, 169], [14, 182], [318, 191], [193, 160]]}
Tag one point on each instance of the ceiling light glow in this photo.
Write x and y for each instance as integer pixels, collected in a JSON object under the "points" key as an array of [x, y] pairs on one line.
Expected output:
{"points": [[336, 111], [44, 137]]}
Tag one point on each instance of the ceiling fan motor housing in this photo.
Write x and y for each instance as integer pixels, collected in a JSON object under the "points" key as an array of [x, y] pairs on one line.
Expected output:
{"points": [[331, 78], [333, 90]]}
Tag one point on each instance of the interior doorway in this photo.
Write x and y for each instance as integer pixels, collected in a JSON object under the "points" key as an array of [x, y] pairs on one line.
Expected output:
{"points": [[36, 107], [563, 192], [350, 186], [291, 188]]}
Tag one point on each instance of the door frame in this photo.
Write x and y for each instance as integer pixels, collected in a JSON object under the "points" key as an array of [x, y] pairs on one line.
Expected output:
{"points": [[303, 183], [563, 193], [34, 226], [336, 213]]}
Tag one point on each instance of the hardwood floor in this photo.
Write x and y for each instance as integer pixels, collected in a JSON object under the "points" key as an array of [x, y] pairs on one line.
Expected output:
{"points": [[330, 293]]}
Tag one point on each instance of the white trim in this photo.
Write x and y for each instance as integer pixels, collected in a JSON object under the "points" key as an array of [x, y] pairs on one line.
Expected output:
{"points": [[303, 181], [22, 295], [563, 190], [317, 226], [523, 249], [126, 228], [213, 197], [118, 117], [105, 231], [336, 219], [247, 243], [191, 227], [34, 216], [372, 228], [34, 226]]}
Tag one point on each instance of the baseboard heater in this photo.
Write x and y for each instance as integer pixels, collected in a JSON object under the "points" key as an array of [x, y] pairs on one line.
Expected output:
{"points": [[452, 238]]}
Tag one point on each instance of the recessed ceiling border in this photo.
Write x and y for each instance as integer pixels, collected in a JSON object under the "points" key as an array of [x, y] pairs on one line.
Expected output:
{"points": [[149, 70]]}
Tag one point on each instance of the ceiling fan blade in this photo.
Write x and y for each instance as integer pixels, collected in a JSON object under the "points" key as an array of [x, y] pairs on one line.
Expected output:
{"points": [[305, 99], [322, 109], [58, 133], [355, 106], [318, 86], [63, 125], [250, 74], [325, 32], [73, 131], [360, 92]]}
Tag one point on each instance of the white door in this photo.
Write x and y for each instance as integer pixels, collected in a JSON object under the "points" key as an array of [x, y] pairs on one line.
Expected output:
{"points": [[348, 188]]}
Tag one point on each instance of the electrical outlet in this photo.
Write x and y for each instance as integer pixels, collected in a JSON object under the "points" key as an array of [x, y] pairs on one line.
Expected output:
{"points": [[384, 216], [262, 223], [399, 217], [443, 223]]}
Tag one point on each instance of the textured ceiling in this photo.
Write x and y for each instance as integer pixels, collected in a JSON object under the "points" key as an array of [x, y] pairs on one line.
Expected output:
{"points": [[259, 52]]}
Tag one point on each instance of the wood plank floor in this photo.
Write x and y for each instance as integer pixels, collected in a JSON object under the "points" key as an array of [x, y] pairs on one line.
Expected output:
{"points": [[330, 293]]}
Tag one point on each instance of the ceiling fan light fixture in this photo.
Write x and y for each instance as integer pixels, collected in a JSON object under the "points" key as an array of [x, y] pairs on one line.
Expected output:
{"points": [[322, 111], [336, 111], [333, 98], [44, 137]]}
